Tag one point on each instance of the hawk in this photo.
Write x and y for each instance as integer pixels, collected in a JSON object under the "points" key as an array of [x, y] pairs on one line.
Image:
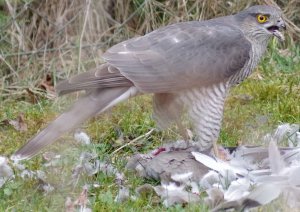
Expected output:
{"points": [[188, 66]]}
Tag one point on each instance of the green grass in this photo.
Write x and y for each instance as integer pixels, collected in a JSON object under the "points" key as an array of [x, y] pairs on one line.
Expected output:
{"points": [[269, 97]]}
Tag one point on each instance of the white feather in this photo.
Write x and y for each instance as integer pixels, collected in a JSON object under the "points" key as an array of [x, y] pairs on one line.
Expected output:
{"points": [[275, 160], [82, 138], [265, 193], [132, 91], [218, 165], [182, 177], [237, 189], [209, 179]]}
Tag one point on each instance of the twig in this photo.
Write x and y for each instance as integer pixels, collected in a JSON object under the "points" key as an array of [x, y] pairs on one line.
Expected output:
{"points": [[11, 20], [12, 13], [9, 66], [14, 54], [82, 33], [100, 44], [133, 141]]}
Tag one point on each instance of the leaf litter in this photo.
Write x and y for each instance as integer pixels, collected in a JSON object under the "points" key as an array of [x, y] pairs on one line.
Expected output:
{"points": [[19, 123]]}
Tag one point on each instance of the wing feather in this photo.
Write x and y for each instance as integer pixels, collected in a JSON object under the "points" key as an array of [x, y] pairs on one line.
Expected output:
{"points": [[105, 76], [182, 55]]}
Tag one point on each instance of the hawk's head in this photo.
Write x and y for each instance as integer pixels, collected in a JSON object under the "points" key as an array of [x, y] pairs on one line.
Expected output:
{"points": [[262, 21]]}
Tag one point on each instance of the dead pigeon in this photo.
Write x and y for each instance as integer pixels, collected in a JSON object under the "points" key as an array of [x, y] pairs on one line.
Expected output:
{"points": [[247, 177], [168, 160]]}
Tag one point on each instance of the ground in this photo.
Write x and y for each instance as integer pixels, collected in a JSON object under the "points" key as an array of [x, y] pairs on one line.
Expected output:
{"points": [[270, 96]]}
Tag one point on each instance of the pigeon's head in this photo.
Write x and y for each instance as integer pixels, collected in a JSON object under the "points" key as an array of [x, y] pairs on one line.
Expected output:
{"points": [[262, 22]]}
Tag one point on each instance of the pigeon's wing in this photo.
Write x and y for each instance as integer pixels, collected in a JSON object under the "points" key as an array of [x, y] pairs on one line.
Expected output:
{"points": [[181, 56]]}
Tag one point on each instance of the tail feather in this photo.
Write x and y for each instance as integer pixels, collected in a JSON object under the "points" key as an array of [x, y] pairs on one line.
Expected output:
{"points": [[104, 76], [86, 107]]}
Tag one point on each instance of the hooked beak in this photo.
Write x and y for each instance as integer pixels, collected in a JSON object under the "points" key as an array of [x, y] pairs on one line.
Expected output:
{"points": [[277, 29]]}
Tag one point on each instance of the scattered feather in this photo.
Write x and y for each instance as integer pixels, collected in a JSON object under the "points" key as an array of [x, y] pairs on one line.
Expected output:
{"points": [[88, 164], [82, 138], [6, 171], [48, 156], [218, 165], [237, 189], [45, 187], [275, 160], [215, 197], [96, 185], [27, 174], [119, 178], [18, 165], [209, 180], [182, 177], [244, 177], [173, 194], [123, 195]]}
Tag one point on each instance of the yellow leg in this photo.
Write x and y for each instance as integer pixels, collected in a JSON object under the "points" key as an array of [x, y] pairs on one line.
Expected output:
{"points": [[215, 149]]}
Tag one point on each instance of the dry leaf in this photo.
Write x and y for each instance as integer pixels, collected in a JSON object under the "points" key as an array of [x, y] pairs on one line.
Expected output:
{"points": [[82, 200], [47, 84], [69, 205], [18, 123], [33, 97]]}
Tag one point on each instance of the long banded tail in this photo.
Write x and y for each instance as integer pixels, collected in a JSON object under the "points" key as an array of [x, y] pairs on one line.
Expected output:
{"points": [[95, 102]]}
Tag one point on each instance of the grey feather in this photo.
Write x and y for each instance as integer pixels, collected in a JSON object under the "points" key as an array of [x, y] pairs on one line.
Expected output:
{"points": [[275, 160], [259, 196], [164, 165], [92, 104], [104, 76], [182, 55]]}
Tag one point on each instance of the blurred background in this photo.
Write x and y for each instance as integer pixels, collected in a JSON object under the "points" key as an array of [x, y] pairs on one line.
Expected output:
{"points": [[59, 38]]}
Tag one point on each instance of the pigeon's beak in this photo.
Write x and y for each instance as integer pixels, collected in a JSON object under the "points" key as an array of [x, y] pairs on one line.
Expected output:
{"points": [[277, 29]]}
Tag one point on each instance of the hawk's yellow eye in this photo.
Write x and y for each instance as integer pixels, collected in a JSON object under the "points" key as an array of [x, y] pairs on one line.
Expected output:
{"points": [[262, 19]]}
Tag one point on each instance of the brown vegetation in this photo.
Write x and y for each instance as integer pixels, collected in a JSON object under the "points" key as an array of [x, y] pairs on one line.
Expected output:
{"points": [[61, 37]]}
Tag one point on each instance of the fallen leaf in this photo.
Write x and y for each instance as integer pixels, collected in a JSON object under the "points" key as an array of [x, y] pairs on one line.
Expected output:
{"points": [[18, 123], [47, 84], [82, 200], [38, 92], [69, 205], [33, 97]]}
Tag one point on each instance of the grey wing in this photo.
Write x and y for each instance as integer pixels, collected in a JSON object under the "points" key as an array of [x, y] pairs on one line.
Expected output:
{"points": [[164, 165], [182, 55], [104, 76]]}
